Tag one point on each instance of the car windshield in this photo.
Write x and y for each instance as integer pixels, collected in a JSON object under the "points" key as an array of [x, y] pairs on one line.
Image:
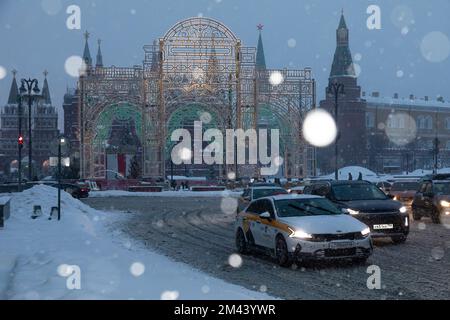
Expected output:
{"points": [[305, 207], [442, 188], [405, 186], [261, 193], [351, 192]]}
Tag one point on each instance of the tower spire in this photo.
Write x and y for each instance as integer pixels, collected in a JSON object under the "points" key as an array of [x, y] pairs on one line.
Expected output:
{"points": [[260, 58], [46, 90], [14, 90], [342, 62], [99, 55], [87, 54]]}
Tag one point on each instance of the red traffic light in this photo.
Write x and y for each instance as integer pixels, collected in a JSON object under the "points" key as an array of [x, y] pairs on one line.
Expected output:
{"points": [[21, 140]]}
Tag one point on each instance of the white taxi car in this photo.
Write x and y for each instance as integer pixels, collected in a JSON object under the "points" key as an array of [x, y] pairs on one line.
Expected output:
{"points": [[301, 227]]}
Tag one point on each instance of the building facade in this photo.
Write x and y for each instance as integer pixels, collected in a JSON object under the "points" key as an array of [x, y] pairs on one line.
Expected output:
{"points": [[405, 134], [384, 134], [44, 122]]}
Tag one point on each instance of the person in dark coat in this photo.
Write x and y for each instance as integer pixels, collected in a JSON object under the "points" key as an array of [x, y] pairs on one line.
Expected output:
{"points": [[350, 177], [360, 177]]}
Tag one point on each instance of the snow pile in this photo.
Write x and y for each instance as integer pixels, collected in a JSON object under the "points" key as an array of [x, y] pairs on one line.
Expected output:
{"points": [[39, 257], [355, 171], [207, 194]]}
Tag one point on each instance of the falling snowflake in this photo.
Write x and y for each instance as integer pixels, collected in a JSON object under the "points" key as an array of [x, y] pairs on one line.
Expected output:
{"points": [[231, 175], [276, 78], [235, 260], [292, 43], [205, 117], [437, 253], [399, 73], [319, 128], [205, 289], [229, 205], [75, 66], [137, 269], [3, 72], [263, 288], [435, 46]]}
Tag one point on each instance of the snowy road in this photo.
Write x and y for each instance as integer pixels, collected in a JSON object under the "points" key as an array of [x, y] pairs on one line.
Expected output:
{"points": [[197, 232]]}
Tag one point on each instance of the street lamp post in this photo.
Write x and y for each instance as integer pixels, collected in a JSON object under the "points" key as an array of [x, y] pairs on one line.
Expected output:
{"points": [[61, 142], [336, 89], [20, 144], [29, 89]]}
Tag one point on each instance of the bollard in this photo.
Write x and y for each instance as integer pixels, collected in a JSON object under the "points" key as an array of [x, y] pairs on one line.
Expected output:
{"points": [[37, 212]]}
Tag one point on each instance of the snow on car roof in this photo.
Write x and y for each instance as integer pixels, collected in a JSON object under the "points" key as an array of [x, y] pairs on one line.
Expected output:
{"points": [[292, 197], [266, 188]]}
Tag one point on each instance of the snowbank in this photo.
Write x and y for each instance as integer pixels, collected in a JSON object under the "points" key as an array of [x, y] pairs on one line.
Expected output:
{"points": [[119, 193], [354, 170], [35, 255]]}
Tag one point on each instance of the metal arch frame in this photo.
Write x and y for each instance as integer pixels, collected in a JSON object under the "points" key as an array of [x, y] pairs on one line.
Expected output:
{"points": [[199, 60]]}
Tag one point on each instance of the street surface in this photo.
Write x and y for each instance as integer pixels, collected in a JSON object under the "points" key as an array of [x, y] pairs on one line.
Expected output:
{"points": [[197, 232]]}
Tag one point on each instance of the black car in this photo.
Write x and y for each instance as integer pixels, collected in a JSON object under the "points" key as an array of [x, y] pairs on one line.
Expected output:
{"points": [[366, 202], [74, 190], [432, 200]]}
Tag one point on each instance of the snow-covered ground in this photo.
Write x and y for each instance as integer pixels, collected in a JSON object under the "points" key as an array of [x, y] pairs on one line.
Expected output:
{"points": [[120, 193], [37, 258]]}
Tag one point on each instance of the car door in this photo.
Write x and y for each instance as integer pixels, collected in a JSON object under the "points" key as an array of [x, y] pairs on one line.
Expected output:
{"points": [[253, 223], [267, 228]]}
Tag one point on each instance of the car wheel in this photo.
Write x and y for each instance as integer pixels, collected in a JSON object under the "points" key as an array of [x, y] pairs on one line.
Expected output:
{"points": [[282, 253], [416, 216], [241, 243], [436, 217], [399, 239]]}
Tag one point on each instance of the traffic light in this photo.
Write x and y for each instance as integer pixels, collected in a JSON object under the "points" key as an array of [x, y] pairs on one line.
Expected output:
{"points": [[20, 142]]}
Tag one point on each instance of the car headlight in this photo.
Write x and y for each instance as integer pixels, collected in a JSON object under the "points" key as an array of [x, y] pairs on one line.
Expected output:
{"points": [[300, 234], [445, 204], [352, 212], [365, 232], [403, 209]]}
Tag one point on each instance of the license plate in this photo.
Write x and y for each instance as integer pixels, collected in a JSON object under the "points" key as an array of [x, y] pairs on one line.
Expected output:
{"points": [[341, 245], [383, 226]]}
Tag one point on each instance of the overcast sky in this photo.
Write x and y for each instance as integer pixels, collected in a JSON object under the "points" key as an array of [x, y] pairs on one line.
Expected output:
{"points": [[34, 37]]}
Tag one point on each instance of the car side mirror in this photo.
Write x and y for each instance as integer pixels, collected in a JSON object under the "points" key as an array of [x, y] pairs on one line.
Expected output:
{"points": [[390, 196], [247, 198], [266, 215]]}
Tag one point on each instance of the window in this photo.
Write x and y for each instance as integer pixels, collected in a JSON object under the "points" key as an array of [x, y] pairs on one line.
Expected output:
{"points": [[425, 122], [266, 206], [370, 120]]}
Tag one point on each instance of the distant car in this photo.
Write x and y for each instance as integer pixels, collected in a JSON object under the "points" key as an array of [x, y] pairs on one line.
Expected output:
{"points": [[254, 193], [301, 228], [367, 203], [432, 200], [384, 186], [404, 191], [74, 190], [296, 190]]}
